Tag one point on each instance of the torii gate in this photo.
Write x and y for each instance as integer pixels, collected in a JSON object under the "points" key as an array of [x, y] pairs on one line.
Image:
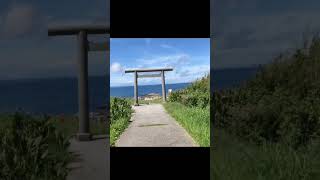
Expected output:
{"points": [[136, 76], [84, 46]]}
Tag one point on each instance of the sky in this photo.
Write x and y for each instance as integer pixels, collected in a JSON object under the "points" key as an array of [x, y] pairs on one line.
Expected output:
{"points": [[244, 33], [26, 52], [189, 58], [250, 32]]}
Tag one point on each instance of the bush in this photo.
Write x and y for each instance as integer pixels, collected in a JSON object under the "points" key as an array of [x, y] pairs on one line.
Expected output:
{"points": [[120, 108], [33, 149], [120, 112], [195, 95], [281, 104], [175, 96]]}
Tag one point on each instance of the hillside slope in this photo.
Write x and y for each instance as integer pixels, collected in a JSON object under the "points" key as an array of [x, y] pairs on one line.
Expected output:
{"points": [[282, 103]]}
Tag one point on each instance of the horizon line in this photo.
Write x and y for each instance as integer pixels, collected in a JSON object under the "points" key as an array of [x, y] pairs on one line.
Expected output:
{"points": [[148, 84]]}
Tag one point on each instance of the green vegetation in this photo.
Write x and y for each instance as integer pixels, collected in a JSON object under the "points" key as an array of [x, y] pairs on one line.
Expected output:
{"points": [[275, 118], [32, 148], [120, 114], [236, 159], [195, 95], [36, 147], [190, 107], [69, 125], [195, 120]]}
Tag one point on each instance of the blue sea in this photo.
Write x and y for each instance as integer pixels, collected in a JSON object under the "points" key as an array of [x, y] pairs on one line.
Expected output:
{"points": [[59, 95], [229, 78], [127, 91], [52, 96]]}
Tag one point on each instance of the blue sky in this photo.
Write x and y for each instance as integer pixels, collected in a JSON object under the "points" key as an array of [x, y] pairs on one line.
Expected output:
{"points": [[189, 57], [27, 52]]}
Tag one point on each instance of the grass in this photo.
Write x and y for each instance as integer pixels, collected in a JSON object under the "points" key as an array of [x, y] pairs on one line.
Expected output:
{"points": [[5, 121], [68, 126], [233, 159], [269, 127], [116, 129], [32, 148], [195, 120], [120, 110]]}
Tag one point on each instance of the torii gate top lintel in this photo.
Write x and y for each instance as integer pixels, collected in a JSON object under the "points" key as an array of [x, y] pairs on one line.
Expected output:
{"points": [[136, 76], [56, 30], [148, 70]]}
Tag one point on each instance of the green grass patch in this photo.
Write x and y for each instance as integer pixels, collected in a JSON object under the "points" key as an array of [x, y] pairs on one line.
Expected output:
{"points": [[120, 110], [194, 119], [116, 129], [69, 126], [5, 121], [235, 159]]}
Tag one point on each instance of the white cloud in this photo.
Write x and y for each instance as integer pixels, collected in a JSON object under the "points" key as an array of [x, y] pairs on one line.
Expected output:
{"points": [[171, 48], [166, 46], [173, 60], [116, 67], [190, 73]]}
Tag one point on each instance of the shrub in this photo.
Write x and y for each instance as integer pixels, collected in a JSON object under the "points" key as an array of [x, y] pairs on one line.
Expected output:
{"points": [[281, 104], [120, 112], [33, 149], [120, 108], [175, 96], [196, 94]]}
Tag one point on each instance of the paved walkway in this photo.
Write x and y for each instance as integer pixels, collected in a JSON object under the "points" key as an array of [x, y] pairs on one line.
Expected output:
{"points": [[93, 161], [152, 126]]}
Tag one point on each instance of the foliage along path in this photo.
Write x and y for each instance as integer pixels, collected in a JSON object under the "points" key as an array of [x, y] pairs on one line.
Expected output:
{"points": [[151, 126]]}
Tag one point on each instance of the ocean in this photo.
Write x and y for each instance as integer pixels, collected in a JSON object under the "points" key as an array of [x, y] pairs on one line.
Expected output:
{"points": [[52, 96], [60, 95], [230, 78], [127, 91]]}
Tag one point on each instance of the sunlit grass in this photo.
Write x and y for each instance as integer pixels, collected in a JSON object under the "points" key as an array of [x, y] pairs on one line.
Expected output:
{"points": [[120, 110], [116, 129], [195, 120]]}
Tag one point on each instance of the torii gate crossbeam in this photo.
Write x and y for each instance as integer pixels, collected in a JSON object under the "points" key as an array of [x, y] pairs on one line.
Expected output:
{"points": [[136, 76], [84, 46]]}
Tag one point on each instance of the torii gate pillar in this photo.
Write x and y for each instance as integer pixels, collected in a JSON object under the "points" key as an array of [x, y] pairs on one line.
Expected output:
{"points": [[164, 97], [135, 88], [136, 76], [83, 95], [83, 47]]}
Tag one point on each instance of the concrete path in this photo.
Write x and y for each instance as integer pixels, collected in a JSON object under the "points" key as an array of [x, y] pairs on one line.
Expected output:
{"points": [[151, 126], [93, 161]]}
